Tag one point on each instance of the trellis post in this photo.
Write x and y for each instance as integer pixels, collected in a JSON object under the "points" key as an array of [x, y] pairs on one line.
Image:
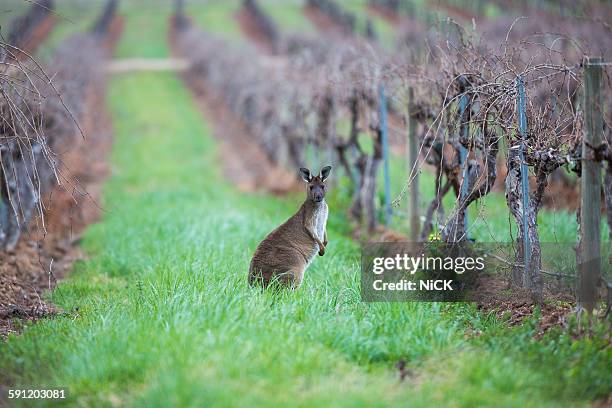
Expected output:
{"points": [[590, 206], [465, 133], [385, 151], [522, 113], [413, 155]]}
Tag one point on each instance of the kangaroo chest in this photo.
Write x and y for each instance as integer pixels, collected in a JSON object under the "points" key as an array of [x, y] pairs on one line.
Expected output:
{"points": [[319, 220]]}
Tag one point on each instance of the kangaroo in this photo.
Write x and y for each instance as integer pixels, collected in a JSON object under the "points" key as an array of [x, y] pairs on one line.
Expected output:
{"points": [[287, 251]]}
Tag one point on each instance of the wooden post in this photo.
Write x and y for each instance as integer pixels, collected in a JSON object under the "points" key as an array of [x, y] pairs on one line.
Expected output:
{"points": [[385, 152], [413, 157], [590, 206], [524, 179]]}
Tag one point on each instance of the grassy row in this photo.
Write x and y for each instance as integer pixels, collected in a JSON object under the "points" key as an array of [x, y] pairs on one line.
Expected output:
{"points": [[217, 16], [289, 15]]}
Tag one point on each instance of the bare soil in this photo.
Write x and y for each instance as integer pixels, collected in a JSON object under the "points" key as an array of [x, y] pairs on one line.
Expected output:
{"points": [[45, 256], [398, 133], [386, 14], [559, 193], [323, 22], [380, 234], [562, 195], [39, 34], [498, 297], [114, 33], [252, 30], [453, 11], [395, 19]]}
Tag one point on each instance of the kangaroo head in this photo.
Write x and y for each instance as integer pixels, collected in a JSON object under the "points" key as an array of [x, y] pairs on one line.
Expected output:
{"points": [[316, 184]]}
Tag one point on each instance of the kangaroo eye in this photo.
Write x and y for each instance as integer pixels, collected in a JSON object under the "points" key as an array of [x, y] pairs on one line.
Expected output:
{"points": [[311, 187]]}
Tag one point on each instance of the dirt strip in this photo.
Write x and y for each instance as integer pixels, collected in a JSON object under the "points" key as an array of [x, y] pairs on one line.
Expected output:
{"points": [[496, 296], [41, 259], [252, 30], [324, 23], [460, 14], [38, 36], [386, 14]]}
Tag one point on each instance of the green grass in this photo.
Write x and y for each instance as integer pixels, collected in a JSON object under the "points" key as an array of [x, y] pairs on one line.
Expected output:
{"points": [[145, 35], [216, 16], [384, 30], [160, 313], [288, 14]]}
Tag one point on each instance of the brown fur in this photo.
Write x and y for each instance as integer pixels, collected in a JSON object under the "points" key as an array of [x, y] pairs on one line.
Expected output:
{"points": [[287, 251]]}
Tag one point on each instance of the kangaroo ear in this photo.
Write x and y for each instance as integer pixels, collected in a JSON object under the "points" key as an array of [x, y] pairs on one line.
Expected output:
{"points": [[325, 172], [305, 174]]}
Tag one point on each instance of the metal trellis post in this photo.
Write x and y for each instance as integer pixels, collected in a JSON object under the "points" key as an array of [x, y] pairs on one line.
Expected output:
{"points": [[524, 173], [463, 105]]}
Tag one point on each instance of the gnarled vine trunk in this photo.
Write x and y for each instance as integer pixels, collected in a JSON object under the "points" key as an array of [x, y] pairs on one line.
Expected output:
{"points": [[528, 277]]}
